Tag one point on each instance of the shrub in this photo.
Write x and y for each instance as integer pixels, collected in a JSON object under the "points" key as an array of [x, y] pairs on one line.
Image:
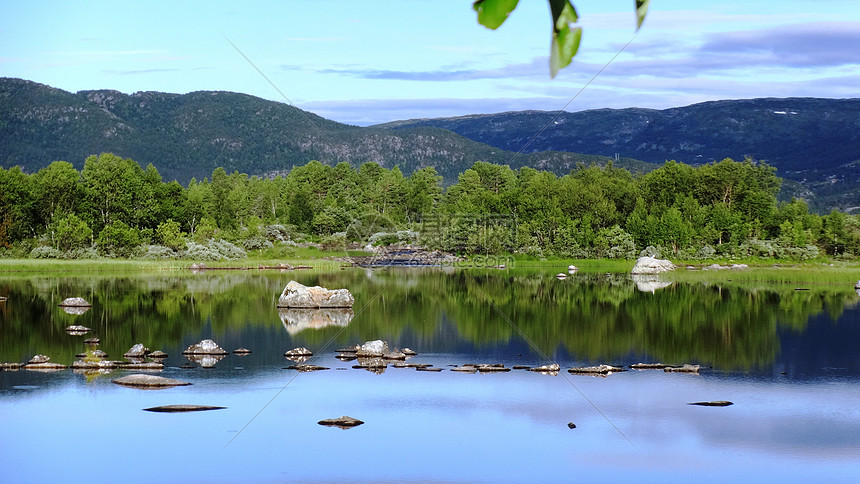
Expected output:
{"points": [[156, 252], [213, 250], [44, 252], [83, 253], [256, 243]]}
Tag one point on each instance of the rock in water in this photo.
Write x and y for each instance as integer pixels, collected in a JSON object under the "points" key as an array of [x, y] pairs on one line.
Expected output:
{"points": [[182, 408], [372, 348], [39, 359], [296, 295], [715, 403], [205, 347], [342, 422], [148, 381], [300, 351], [650, 265], [136, 351]]}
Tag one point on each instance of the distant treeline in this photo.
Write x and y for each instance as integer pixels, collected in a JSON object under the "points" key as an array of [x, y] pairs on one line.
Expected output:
{"points": [[116, 208]]}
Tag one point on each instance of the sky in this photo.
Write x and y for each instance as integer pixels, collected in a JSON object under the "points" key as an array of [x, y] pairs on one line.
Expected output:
{"points": [[371, 61]]}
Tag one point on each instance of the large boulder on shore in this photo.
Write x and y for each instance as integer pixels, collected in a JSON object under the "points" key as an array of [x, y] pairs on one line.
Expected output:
{"points": [[651, 265], [296, 295]]}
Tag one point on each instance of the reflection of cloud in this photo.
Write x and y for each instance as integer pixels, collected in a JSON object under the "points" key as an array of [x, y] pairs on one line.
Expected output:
{"points": [[296, 320]]}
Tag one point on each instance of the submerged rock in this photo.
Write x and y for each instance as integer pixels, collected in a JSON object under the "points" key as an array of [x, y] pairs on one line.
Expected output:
{"points": [[148, 366], [47, 366], [182, 408], [296, 295], [687, 368], [395, 355], [341, 422], [596, 370], [571, 425], [648, 366], [403, 364], [205, 347], [551, 369], [148, 381], [306, 368], [428, 368], [465, 369], [96, 365], [715, 403], [650, 265], [78, 302]]}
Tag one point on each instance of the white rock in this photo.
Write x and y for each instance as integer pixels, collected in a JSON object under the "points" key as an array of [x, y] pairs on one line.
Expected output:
{"points": [[205, 347], [296, 295], [373, 348], [650, 265]]}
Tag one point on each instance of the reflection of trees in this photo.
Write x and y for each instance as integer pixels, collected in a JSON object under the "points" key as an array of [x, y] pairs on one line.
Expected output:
{"points": [[594, 317]]}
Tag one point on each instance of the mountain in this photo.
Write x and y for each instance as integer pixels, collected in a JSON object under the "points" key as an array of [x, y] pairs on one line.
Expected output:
{"points": [[815, 142], [189, 135]]}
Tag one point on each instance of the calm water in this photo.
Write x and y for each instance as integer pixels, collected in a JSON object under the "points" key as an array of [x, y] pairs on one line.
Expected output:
{"points": [[788, 359]]}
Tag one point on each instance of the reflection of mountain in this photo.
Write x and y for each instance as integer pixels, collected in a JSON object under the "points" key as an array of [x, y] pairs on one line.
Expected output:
{"points": [[649, 283], [296, 320]]}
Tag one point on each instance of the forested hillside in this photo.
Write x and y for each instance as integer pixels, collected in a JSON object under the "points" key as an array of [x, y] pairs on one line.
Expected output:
{"points": [[114, 207], [189, 135], [812, 141]]}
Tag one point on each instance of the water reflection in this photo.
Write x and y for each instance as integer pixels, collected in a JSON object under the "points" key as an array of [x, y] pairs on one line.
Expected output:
{"points": [[205, 361], [76, 310], [296, 320], [649, 283], [591, 318]]}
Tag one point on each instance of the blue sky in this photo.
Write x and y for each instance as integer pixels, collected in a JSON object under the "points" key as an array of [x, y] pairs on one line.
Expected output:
{"points": [[362, 62]]}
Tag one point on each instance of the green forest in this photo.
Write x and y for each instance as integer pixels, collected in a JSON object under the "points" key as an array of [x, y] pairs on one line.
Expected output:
{"points": [[115, 208]]}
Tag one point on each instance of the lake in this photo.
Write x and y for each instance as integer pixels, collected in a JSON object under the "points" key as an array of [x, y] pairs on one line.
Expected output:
{"points": [[786, 355]]}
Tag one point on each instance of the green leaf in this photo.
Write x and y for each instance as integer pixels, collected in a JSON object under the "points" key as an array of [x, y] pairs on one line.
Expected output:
{"points": [[565, 40], [564, 47], [641, 11], [493, 13]]}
